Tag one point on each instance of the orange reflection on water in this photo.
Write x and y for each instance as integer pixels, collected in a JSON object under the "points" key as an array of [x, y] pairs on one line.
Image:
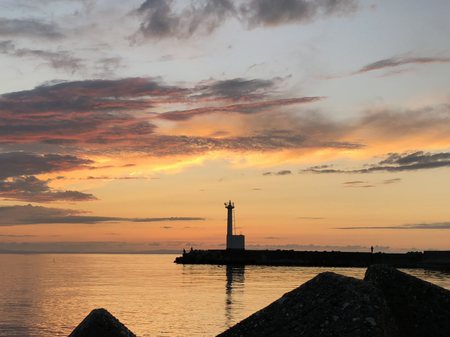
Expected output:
{"points": [[48, 295]]}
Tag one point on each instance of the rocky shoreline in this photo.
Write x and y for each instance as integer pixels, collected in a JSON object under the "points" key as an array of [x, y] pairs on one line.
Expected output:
{"points": [[387, 303]]}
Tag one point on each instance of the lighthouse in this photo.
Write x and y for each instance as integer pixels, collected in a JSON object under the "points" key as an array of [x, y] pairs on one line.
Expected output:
{"points": [[233, 241]]}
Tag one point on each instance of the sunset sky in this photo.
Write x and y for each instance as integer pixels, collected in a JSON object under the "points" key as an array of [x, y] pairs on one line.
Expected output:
{"points": [[125, 125]]}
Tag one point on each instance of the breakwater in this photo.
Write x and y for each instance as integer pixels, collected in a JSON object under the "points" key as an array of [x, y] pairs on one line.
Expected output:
{"points": [[427, 259]]}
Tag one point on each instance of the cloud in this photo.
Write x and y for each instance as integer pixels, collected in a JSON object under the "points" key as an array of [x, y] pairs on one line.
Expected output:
{"points": [[6, 46], [66, 60], [357, 184], [30, 28], [92, 95], [122, 115], [128, 116], [428, 123], [436, 225], [242, 108], [395, 162], [30, 188], [237, 88], [33, 215], [106, 66], [173, 145], [84, 111], [279, 173], [400, 61], [310, 218], [275, 13], [103, 90], [179, 145], [56, 59], [17, 180], [163, 19], [366, 184], [115, 178], [21, 163], [159, 20], [392, 181], [417, 159], [101, 110]]}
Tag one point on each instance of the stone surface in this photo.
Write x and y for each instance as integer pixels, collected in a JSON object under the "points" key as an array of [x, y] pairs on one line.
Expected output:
{"points": [[420, 308], [100, 323], [329, 305]]}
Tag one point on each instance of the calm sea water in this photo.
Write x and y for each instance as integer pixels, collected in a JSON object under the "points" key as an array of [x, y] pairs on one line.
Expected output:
{"points": [[48, 295]]}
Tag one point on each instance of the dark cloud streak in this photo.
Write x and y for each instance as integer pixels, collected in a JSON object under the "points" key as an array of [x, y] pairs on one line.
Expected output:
{"points": [[242, 108], [400, 61], [434, 226], [162, 20], [275, 13], [63, 59], [29, 28], [21, 163], [357, 184], [392, 181], [396, 162], [33, 215], [32, 189], [237, 88], [279, 173], [56, 59], [17, 180]]}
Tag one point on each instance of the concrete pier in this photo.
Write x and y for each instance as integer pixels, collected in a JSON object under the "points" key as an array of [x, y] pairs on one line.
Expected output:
{"points": [[436, 260]]}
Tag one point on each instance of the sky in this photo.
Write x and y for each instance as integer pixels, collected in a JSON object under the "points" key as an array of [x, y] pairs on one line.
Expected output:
{"points": [[126, 125]]}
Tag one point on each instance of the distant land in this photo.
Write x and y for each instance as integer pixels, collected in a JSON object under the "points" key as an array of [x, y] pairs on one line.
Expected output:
{"points": [[89, 252], [152, 248]]}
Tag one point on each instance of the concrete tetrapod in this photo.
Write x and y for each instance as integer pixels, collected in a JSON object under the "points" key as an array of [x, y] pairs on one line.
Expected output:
{"points": [[100, 323], [329, 305], [420, 308]]}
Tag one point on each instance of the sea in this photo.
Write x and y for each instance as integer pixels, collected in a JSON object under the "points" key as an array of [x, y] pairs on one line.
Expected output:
{"points": [[48, 295]]}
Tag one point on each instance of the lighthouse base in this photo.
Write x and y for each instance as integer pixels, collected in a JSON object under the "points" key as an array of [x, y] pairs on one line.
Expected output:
{"points": [[236, 242]]}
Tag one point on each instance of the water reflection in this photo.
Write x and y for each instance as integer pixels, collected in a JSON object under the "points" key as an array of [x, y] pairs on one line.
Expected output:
{"points": [[439, 277], [48, 295], [234, 285], [21, 299]]}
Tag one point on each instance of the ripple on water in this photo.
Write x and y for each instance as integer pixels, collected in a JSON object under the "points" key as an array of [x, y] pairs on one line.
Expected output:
{"points": [[48, 295]]}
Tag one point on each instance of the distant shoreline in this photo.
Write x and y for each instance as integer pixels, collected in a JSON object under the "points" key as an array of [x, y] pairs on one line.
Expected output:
{"points": [[168, 252]]}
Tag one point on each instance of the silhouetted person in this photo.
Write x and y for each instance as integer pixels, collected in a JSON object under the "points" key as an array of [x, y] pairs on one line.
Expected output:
{"points": [[371, 249], [184, 251], [192, 249]]}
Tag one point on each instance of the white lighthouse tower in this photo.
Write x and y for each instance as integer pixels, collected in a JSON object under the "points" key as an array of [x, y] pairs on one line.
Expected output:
{"points": [[233, 241]]}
